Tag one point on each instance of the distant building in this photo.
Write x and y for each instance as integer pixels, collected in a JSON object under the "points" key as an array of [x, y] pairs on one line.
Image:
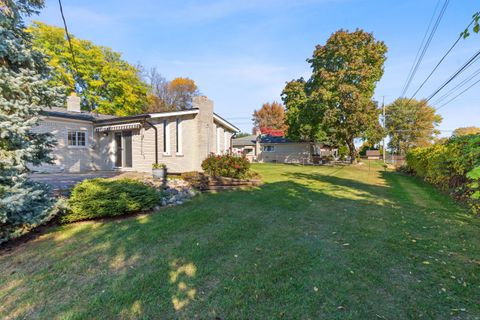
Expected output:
{"points": [[267, 148]]}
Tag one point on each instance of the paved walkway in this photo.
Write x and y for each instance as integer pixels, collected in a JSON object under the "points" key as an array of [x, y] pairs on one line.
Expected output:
{"points": [[65, 181]]}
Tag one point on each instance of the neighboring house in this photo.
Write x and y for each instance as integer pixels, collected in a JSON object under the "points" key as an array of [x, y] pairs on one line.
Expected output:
{"points": [[245, 145], [179, 139], [268, 148]]}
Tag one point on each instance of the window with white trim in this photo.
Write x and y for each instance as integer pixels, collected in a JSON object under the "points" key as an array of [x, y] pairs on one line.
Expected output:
{"points": [[225, 141], [166, 137], [219, 149], [268, 148], [179, 136], [77, 138]]}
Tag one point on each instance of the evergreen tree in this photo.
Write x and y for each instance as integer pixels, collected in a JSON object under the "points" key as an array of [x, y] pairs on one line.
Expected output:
{"points": [[24, 90]]}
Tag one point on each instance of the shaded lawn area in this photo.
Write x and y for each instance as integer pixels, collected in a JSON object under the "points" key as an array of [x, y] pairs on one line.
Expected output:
{"points": [[313, 242]]}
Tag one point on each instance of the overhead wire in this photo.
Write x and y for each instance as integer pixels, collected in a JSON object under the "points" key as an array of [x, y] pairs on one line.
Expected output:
{"points": [[425, 45]]}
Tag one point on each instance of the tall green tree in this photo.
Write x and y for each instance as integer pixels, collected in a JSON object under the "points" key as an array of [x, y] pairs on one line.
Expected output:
{"points": [[105, 82], [24, 89], [411, 123], [345, 73], [337, 99], [302, 117]]}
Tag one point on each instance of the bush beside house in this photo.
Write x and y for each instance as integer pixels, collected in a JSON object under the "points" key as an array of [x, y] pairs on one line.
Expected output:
{"points": [[226, 165], [97, 198], [452, 165]]}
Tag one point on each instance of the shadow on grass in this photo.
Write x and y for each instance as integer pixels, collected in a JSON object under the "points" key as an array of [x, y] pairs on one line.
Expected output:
{"points": [[185, 261]]}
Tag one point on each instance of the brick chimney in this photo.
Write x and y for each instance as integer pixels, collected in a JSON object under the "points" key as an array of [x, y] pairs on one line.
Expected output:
{"points": [[206, 127], [73, 103]]}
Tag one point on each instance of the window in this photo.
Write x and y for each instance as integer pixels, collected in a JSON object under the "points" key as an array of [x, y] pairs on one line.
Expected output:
{"points": [[166, 137], [179, 137], [225, 141], [77, 138], [219, 149], [268, 148]]}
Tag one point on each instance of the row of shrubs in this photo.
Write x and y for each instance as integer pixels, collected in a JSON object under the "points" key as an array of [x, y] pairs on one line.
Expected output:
{"points": [[453, 165]]}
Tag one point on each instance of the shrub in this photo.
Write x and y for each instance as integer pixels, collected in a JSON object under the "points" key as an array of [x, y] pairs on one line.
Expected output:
{"points": [[226, 166], [19, 213], [99, 197], [451, 166]]}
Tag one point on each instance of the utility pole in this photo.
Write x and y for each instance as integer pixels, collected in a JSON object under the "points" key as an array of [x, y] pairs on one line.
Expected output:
{"points": [[383, 109]]}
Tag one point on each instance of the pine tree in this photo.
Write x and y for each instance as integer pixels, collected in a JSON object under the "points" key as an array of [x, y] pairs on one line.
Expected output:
{"points": [[24, 90]]}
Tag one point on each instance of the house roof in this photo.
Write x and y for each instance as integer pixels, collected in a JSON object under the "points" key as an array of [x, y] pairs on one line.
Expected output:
{"points": [[104, 118], [225, 122], [273, 139], [244, 141], [83, 115]]}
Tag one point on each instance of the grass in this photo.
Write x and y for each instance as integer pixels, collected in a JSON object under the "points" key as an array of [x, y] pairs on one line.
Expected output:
{"points": [[313, 242]]}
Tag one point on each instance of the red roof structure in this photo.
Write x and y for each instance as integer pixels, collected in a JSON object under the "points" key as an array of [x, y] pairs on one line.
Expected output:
{"points": [[272, 132]]}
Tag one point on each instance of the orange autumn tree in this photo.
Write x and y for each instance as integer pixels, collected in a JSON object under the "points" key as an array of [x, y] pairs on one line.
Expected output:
{"points": [[166, 95], [270, 116]]}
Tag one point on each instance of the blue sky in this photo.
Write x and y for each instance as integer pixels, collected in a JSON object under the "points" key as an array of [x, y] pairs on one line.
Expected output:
{"points": [[241, 52]]}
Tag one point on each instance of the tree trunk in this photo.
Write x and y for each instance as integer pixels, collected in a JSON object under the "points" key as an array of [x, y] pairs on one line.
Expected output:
{"points": [[351, 149]]}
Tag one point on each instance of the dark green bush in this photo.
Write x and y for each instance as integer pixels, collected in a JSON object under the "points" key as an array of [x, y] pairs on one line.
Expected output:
{"points": [[451, 166], [98, 198], [226, 165]]}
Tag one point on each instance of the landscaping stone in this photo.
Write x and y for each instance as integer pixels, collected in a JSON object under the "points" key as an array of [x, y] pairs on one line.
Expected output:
{"points": [[176, 192]]}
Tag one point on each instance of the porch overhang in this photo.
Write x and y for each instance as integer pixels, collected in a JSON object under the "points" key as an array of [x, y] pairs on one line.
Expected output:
{"points": [[119, 127]]}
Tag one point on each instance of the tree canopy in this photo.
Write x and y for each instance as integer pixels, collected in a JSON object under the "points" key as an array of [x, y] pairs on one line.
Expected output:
{"points": [[410, 123], [336, 102], [465, 131], [270, 116], [164, 95], [105, 82]]}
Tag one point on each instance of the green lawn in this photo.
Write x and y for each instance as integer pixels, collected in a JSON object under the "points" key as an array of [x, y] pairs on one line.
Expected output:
{"points": [[313, 242]]}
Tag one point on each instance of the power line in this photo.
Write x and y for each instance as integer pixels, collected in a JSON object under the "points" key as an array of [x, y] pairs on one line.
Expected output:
{"points": [[441, 60], [458, 86], [473, 84], [419, 49], [425, 44], [459, 71], [68, 38]]}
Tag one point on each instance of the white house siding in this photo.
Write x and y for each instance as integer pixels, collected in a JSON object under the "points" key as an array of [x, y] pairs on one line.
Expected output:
{"points": [[67, 158], [143, 146], [286, 153], [198, 140]]}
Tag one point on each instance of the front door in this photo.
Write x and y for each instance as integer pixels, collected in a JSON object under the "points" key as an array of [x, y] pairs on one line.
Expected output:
{"points": [[123, 149], [127, 142], [118, 149]]}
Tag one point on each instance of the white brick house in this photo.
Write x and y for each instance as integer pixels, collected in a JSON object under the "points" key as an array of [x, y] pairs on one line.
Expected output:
{"points": [[180, 139]]}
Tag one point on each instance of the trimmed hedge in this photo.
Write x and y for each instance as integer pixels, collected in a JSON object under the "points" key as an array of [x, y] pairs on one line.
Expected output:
{"points": [[97, 198], [226, 165], [452, 165]]}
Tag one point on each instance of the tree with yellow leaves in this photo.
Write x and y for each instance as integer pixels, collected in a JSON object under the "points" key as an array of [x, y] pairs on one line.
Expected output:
{"points": [[172, 95]]}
